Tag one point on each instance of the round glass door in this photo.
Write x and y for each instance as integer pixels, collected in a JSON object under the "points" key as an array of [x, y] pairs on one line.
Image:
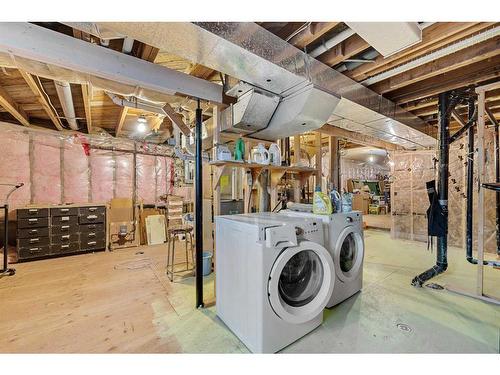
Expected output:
{"points": [[348, 254], [301, 282], [301, 278]]}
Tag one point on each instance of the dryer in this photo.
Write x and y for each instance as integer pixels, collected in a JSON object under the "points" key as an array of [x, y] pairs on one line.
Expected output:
{"points": [[344, 239], [274, 278]]}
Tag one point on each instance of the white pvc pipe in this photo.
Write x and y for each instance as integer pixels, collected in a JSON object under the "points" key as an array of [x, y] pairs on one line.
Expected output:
{"points": [[491, 33], [64, 93], [330, 43]]}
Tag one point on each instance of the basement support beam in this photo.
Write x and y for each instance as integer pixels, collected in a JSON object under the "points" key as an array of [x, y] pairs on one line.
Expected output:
{"points": [[333, 148], [38, 43], [37, 91], [13, 108]]}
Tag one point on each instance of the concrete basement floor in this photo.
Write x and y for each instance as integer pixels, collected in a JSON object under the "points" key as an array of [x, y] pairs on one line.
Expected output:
{"points": [[122, 302]]}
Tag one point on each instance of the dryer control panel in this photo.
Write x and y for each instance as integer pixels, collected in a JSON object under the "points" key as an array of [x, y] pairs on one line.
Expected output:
{"points": [[289, 234]]}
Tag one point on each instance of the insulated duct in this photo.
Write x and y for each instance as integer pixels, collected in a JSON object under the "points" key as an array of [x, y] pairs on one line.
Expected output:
{"points": [[252, 54], [66, 99]]}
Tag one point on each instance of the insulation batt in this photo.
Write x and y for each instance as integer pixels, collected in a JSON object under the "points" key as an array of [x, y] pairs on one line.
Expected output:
{"points": [[46, 170], [15, 167]]}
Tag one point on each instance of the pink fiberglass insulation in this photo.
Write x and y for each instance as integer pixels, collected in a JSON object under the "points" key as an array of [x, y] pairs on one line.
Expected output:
{"points": [[15, 167], [76, 174], [124, 175], [102, 169], [146, 178], [46, 171], [161, 177]]}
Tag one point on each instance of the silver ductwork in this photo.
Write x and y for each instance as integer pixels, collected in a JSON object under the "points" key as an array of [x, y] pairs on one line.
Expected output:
{"points": [[263, 115], [252, 54]]}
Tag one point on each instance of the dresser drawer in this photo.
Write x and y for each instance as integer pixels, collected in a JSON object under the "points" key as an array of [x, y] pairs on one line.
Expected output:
{"points": [[99, 227], [92, 236], [24, 213], [64, 229], [33, 252], [97, 217], [93, 244], [63, 248], [33, 222], [32, 232], [64, 220], [64, 211], [92, 210], [33, 241], [64, 238]]}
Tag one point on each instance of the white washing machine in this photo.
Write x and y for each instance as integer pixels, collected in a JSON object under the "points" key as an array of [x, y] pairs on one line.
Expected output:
{"points": [[344, 239], [274, 277]]}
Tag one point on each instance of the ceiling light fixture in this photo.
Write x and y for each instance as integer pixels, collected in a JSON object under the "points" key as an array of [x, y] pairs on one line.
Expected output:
{"points": [[141, 127], [142, 119]]}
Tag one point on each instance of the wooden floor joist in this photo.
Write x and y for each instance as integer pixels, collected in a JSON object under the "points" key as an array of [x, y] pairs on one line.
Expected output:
{"points": [[86, 95], [121, 121], [37, 91], [13, 108], [358, 138]]}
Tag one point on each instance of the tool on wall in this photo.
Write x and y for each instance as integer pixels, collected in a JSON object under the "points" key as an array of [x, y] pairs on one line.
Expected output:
{"points": [[6, 271]]}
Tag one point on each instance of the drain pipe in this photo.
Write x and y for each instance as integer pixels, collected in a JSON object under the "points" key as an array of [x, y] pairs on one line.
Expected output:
{"points": [[444, 145], [470, 188], [66, 99], [330, 43]]}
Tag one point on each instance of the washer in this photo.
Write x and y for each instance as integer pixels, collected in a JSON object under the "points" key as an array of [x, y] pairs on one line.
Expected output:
{"points": [[344, 239], [274, 278]]}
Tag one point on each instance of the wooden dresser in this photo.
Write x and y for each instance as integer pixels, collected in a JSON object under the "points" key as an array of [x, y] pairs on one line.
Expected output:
{"points": [[60, 230]]}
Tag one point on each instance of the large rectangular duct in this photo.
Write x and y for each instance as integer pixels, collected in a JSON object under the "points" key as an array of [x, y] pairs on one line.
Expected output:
{"points": [[252, 54]]}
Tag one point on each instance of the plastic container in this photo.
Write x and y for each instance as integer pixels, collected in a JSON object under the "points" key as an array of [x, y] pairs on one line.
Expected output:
{"points": [[347, 202], [260, 155], [336, 201], [322, 205], [274, 154], [207, 263]]}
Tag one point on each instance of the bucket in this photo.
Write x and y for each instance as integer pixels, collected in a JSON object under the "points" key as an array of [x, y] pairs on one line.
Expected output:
{"points": [[207, 263]]}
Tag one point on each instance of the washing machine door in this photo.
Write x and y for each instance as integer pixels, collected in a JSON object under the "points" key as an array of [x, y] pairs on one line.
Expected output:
{"points": [[349, 252], [301, 282]]}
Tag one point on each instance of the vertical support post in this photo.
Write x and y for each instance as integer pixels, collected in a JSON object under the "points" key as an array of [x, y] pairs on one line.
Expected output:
{"points": [[480, 204], [444, 153], [318, 159], [333, 145], [296, 161], [199, 209], [470, 181]]}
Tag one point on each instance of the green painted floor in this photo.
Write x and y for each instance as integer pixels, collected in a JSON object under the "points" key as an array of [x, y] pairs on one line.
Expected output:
{"points": [[388, 316]]}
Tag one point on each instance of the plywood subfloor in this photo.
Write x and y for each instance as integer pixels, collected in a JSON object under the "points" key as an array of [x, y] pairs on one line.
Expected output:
{"points": [[122, 302]]}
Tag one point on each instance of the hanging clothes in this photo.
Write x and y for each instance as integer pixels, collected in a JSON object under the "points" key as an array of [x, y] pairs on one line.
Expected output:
{"points": [[436, 220]]}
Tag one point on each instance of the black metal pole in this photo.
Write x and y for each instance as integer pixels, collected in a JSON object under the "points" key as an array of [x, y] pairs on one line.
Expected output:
{"points": [[470, 183], [444, 146], [199, 209]]}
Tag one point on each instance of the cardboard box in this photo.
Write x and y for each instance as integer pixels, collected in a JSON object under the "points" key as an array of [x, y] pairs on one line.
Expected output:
{"points": [[361, 202]]}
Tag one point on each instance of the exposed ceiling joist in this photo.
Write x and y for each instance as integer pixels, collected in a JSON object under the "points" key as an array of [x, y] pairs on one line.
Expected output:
{"points": [[40, 44], [445, 64], [176, 119], [40, 96], [312, 33], [121, 121], [357, 137], [469, 75], [13, 108], [433, 37], [86, 95], [346, 49]]}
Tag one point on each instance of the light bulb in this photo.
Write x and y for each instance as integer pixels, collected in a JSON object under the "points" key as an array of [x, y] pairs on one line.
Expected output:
{"points": [[141, 127]]}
